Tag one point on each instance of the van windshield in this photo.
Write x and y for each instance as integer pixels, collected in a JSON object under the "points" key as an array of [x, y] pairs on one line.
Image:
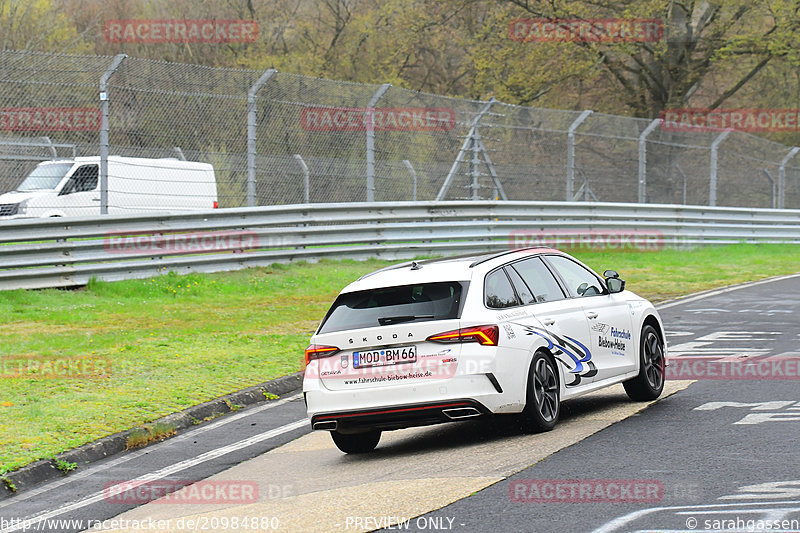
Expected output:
{"points": [[45, 177], [395, 305]]}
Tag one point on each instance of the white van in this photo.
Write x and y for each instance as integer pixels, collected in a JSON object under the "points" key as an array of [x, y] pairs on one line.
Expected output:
{"points": [[71, 187]]}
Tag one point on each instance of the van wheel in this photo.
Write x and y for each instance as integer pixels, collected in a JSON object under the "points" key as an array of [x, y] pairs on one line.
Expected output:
{"points": [[649, 383], [356, 443], [543, 401]]}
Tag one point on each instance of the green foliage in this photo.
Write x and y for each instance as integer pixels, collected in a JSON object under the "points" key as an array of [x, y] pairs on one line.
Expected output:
{"points": [[734, 53], [65, 466], [10, 485], [40, 25], [149, 433]]}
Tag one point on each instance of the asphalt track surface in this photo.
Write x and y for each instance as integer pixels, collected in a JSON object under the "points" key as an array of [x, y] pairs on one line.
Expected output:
{"points": [[725, 452], [708, 460]]}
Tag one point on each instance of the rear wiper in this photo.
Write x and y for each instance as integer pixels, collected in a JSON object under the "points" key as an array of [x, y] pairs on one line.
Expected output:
{"points": [[385, 320]]}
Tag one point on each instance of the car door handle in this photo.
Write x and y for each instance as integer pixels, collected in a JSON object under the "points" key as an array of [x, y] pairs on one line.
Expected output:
{"points": [[591, 315], [548, 321], [95, 199]]}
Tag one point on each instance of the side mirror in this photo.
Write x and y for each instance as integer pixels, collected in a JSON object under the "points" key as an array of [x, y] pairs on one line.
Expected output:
{"points": [[613, 283]]}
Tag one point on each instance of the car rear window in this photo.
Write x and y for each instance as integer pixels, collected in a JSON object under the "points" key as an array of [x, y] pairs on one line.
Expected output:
{"points": [[395, 305]]}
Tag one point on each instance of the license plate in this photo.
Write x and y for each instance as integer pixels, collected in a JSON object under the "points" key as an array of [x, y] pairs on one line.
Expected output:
{"points": [[385, 356]]}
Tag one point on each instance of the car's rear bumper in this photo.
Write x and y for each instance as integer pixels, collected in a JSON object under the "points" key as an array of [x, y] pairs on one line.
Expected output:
{"points": [[398, 416]]}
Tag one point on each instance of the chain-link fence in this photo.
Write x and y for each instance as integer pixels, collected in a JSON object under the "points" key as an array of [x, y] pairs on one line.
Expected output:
{"points": [[276, 138]]}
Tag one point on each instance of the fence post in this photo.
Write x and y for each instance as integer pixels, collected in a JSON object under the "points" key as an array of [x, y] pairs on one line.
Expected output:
{"points": [[571, 152], [306, 179], [469, 141], [643, 159], [252, 123], [782, 176], [475, 171], [712, 185], [371, 140], [112, 68], [407, 163], [773, 186], [52, 148]]}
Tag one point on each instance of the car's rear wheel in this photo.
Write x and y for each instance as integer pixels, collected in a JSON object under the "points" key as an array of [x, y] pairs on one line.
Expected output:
{"points": [[543, 402], [650, 381], [356, 443]]}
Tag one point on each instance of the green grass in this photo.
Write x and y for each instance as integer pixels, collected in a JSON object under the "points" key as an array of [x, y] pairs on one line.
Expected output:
{"points": [[669, 274], [176, 341]]}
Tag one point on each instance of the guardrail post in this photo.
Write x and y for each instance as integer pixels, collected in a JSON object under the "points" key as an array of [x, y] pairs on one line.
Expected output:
{"points": [[252, 123], [782, 176], [712, 182], [571, 152], [468, 142], [643, 160], [112, 68], [371, 140], [306, 179]]}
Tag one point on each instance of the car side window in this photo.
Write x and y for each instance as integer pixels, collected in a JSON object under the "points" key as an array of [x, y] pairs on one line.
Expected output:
{"points": [[539, 279], [579, 280], [82, 180], [498, 291], [522, 288]]}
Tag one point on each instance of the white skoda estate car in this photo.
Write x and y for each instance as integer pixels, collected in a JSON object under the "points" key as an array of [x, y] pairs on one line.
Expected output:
{"points": [[515, 332]]}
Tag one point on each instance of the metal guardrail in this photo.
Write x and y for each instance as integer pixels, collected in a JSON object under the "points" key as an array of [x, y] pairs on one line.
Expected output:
{"points": [[67, 252]]}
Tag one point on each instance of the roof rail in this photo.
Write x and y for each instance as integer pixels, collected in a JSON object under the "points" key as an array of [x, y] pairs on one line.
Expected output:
{"points": [[485, 258]]}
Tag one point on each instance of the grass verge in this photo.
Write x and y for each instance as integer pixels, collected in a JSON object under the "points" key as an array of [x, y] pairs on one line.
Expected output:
{"points": [[175, 341]]}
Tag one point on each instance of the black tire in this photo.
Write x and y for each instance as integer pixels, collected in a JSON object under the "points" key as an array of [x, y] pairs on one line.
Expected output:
{"points": [[356, 443], [543, 398], [650, 382]]}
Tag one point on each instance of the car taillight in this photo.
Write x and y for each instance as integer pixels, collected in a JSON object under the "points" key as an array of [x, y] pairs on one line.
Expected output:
{"points": [[317, 351], [216, 204], [486, 335]]}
